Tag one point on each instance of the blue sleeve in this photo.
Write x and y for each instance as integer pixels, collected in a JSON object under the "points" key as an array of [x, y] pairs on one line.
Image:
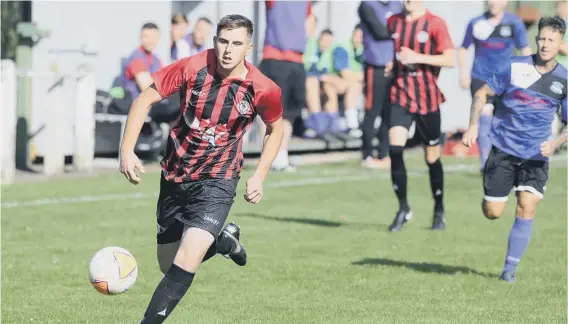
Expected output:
{"points": [[501, 79], [340, 59], [521, 34], [564, 107], [467, 39]]}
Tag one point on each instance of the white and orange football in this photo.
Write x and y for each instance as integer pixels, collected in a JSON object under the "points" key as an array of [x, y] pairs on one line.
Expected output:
{"points": [[113, 270]]}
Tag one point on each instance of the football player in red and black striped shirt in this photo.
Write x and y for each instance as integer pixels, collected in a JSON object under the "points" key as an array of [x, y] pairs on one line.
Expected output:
{"points": [[422, 46], [220, 95]]}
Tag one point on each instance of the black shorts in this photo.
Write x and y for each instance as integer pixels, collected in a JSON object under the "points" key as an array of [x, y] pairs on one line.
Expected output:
{"points": [[428, 127], [475, 85], [504, 172], [291, 78], [203, 204]]}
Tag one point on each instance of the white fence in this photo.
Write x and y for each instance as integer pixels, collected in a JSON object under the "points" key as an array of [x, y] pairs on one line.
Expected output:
{"points": [[67, 96]]}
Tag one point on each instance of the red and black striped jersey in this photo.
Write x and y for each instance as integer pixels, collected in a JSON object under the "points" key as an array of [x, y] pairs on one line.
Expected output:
{"points": [[216, 112], [415, 87]]}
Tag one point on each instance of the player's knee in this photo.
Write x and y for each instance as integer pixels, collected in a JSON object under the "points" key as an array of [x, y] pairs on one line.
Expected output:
{"points": [[432, 159], [492, 211], [526, 210]]}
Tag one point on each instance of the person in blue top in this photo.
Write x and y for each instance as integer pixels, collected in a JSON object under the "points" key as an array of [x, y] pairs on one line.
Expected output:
{"points": [[531, 89], [495, 34]]}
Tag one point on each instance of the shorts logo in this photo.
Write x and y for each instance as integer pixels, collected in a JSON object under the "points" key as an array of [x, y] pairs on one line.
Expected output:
{"points": [[434, 142], [557, 87], [209, 219], [160, 229], [422, 37], [505, 31], [394, 36], [243, 107]]}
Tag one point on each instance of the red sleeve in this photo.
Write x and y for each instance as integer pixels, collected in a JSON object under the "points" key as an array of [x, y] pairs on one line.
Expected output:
{"points": [[442, 36], [269, 3], [136, 66], [169, 79], [309, 8], [390, 22], [270, 105]]}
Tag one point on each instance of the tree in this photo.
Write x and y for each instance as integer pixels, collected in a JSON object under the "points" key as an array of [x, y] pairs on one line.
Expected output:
{"points": [[11, 12]]}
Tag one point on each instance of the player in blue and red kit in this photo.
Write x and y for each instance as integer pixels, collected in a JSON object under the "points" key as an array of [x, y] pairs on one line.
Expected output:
{"points": [[531, 89], [495, 34]]}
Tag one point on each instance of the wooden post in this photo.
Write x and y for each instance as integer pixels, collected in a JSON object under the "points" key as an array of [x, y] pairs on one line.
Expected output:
{"points": [[54, 157], [8, 134], [84, 130]]}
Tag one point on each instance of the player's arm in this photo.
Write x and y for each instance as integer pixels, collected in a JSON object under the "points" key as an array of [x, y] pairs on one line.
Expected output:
{"points": [[444, 46], [368, 17], [168, 80], [479, 100], [462, 56], [269, 109], [547, 148], [522, 38], [446, 59]]}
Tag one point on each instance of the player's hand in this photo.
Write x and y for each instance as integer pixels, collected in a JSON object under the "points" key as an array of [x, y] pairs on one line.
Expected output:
{"points": [[388, 69], [547, 148], [129, 165], [470, 137], [465, 81], [254, 192], [407, 56]]}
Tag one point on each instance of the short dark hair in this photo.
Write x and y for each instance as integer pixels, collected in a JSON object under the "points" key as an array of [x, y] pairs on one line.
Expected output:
{"points": [[179, 18], [149, 25], [205, 19], [358, 26], [555, 23], [234, 22], [326, 31]]}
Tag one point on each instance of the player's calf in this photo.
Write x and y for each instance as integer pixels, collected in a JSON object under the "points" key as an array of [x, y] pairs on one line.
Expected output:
{"points": [[194, 245]]}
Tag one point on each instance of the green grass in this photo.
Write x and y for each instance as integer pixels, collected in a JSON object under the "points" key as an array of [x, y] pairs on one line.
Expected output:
{"points": [[318, 253]]}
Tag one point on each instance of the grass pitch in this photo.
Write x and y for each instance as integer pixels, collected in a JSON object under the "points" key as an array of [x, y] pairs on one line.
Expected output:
{"points": [[319, 252]]}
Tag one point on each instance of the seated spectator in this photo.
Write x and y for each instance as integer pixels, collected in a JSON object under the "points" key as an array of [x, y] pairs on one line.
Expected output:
{"points": [[179, 28], [348, 63], [193, 42], [137, 71], [320, 76]]}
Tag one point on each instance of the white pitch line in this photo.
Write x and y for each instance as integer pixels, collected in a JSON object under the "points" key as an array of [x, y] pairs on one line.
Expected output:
{"points": [[277, 185]]}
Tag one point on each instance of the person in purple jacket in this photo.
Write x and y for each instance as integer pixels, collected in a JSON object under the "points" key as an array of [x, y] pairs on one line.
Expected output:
{"points": [[495, 34], [283, 62], [378, 54], [192, 43]]}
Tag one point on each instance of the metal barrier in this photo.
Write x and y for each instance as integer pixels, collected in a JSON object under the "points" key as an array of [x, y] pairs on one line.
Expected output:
{"points": [[62, 118]]}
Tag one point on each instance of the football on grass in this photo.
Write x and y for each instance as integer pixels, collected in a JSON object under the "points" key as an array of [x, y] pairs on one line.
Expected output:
{"points": [[113, 270]]}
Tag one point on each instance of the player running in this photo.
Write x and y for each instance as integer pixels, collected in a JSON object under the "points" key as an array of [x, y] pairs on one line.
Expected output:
{"points": [[422, 45], [530, 90], [494, 35], [220, 95]]}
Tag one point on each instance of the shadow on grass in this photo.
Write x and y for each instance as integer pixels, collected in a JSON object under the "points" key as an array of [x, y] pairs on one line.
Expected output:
{"points": [[308, 221], [424, 267]]}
